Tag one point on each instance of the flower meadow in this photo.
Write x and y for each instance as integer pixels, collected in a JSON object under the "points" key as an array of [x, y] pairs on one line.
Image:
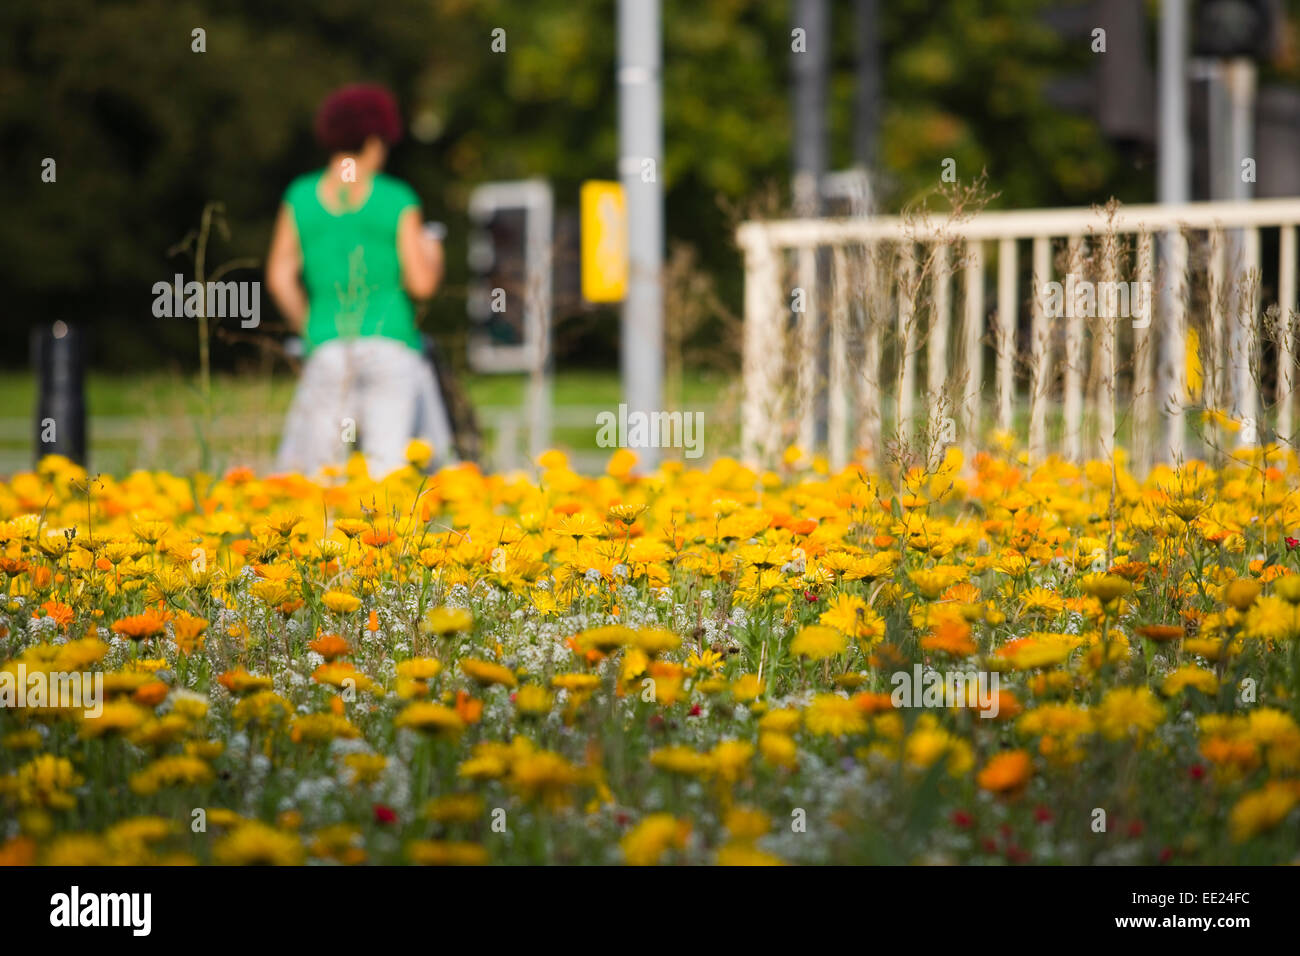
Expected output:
{"points": [[691, 665]]}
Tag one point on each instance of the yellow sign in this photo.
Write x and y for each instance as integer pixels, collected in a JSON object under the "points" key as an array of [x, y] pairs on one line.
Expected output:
{"points": [[604, 241]]}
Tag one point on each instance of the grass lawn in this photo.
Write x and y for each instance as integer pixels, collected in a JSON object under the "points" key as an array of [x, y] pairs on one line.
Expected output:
{"points": [[155, 420]]}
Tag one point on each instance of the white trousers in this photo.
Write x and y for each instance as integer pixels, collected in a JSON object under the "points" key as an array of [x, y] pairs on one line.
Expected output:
{"points": [[376, 391]]}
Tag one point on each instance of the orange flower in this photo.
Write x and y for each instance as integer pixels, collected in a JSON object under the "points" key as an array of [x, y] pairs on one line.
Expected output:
{"points": [[20, 851], [61, 614], [330, 646], [151, 694], [188, 630], [241, 681], [140, 627], [951, 636], [469, 708], [870, 703], [1006, 772]]}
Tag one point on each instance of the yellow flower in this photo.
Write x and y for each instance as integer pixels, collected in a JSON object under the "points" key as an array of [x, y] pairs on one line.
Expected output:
{"points": [[442, 853], [778, 749], [747, 823], [419, 453], [486, 673], [1189, 675], [933, 582], [818, 642], [1271, 617], [655, 641], [654, 836], [365, 768], [256, 844], [321, 728], [419, 668], [455, 808], [533, 700], [682, 760], [1129, 712], [1262, 810], [746, 854], [834, 716], [1106, 588], [430, 718], [1242, 593], [447, 620], [178, 771], [340, 602]]}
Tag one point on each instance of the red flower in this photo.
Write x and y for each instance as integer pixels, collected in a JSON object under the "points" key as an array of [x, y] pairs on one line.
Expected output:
{"points": [[1017, 855], [384, 814], [1166, 854], [810, 597], [961, 818], [695, 711], [1042, 814], [1292, 543], [1196, 771], [1135, 828]]}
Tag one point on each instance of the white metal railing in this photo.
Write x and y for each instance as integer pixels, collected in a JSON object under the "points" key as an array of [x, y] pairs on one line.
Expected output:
{"points": [[804, 333]]}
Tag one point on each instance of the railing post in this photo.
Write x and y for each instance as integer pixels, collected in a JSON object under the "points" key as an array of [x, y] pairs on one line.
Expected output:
{"points": [[1143, 357], [937, 354], [874, 308], [1286, 331], [1214, 392], [809, 347], [837, 399], [1074, 335], [1007, 315], [973, 389], [1040, 377], [1173, 354], [1245, 341], [1105, 330], [763, 354], [906, 339]]}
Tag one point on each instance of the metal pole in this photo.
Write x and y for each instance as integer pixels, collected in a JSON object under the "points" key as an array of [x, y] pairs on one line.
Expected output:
{"points": [[640, 134], [1239, 87], [809, 56], [59, 359], [865, 131], [1173, 186]]}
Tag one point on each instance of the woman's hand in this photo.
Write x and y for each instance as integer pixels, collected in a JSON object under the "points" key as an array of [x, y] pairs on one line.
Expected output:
{"points": [[421, 256], [284, 271]]}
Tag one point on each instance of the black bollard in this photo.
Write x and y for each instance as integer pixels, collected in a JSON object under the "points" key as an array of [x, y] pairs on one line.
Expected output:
{"points": [[59, 359]]}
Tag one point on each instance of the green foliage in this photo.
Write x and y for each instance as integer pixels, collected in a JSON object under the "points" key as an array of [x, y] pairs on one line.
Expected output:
{"points": [[145, 131]]}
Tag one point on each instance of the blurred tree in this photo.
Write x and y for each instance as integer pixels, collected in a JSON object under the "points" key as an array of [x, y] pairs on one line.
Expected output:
{"points": [[144, 131]]}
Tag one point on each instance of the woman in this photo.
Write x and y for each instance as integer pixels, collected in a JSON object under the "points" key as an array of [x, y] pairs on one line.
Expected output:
{"points": [[348, 256]]}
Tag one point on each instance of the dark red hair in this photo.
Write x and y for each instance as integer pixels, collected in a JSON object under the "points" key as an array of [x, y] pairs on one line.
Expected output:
{"points": [[352, 114]]}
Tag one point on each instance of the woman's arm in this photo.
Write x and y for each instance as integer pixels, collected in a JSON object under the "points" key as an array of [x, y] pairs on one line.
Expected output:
{"points": [[284, 271], [420, 256]]}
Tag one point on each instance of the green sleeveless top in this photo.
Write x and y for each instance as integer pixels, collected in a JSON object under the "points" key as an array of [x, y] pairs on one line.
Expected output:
{"points": [[350, 264]]}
